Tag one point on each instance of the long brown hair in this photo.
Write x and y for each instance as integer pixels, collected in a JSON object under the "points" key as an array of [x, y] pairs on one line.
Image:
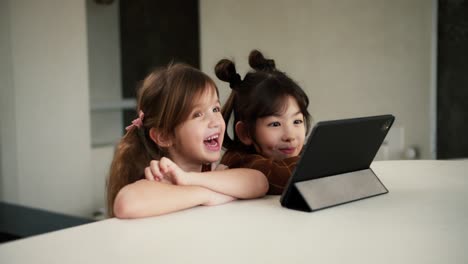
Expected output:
{"points": [[261, 93], [166, 99]]}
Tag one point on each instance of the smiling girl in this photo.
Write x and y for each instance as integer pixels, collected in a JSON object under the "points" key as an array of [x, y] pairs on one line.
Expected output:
{"points": [[270, 120], [164, 163]]}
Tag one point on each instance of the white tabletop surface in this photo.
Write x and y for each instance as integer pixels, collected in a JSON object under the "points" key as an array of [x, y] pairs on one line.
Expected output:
{"points": [[423, 219]]}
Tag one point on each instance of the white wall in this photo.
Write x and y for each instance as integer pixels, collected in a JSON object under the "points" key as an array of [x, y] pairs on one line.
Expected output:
{"points": [[353, 58], [48, 108]]}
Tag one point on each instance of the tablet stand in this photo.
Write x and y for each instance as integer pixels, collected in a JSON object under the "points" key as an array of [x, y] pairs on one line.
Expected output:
{"points": [[334, 190]]}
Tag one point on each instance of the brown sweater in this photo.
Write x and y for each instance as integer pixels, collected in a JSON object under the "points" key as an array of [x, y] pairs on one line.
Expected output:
{"points": [[276, 171]]}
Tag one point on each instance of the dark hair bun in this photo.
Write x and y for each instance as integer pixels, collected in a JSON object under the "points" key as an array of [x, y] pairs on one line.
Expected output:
{"points": [[225, 70], [258, 62]]}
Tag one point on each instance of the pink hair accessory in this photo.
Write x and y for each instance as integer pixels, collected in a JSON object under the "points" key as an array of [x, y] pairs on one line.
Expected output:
{"points": [[138, 122]]}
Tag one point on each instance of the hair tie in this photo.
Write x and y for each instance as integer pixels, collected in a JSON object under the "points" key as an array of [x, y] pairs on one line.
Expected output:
{"points": [[138, 122], [235, 81]]}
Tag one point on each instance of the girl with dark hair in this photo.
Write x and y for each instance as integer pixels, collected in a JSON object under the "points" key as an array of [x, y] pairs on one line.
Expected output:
{"points": [[270, 120], [163, 163]]}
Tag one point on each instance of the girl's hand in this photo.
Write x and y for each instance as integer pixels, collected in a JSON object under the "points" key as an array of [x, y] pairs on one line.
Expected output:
{"points": [[165, 170], [218, 198], [221, 167], [149, 176]]}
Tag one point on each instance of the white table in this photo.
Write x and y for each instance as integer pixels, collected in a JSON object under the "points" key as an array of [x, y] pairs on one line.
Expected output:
{"points": [[423, 219]]}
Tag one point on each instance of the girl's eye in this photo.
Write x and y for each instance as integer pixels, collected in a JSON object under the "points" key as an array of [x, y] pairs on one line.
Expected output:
{"points": [[298, 121], [274, 124], [217, 109], [197, 114]]}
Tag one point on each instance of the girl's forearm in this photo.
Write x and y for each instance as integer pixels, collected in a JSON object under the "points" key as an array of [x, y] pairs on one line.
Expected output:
{"points": [[150, 198], [240, 182]]}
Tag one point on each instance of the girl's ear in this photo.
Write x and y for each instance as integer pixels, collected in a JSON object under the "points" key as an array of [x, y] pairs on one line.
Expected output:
{"points": [[243, 133], [160, 139]]}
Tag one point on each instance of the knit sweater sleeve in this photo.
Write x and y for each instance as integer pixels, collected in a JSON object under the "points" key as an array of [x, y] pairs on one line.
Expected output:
{"points": [[277, 172]]}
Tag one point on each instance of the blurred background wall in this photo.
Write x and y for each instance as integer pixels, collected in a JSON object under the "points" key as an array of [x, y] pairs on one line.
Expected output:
{"points": [[60, 76]]}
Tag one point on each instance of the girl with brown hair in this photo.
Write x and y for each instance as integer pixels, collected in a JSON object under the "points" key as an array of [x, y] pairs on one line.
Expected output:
{"points": [[270, 120], [163, 163]]}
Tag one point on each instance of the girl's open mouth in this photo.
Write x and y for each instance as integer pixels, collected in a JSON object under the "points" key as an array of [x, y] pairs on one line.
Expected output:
{"points": [[212, 142]]}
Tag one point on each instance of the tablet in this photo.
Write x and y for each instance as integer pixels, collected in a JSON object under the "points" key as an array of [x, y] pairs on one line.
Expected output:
{"points": [[334, 167]]}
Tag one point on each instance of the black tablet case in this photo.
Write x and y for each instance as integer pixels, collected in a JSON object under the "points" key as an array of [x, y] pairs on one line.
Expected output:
{"points": [[335, 165]]}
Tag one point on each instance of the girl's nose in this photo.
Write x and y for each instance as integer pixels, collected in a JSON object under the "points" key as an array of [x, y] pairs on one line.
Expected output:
{"points": [[288, 133], [215, 121]]}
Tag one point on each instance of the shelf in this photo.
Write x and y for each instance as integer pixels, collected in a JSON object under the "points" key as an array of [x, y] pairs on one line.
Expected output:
{"points": [[124, 104]]}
